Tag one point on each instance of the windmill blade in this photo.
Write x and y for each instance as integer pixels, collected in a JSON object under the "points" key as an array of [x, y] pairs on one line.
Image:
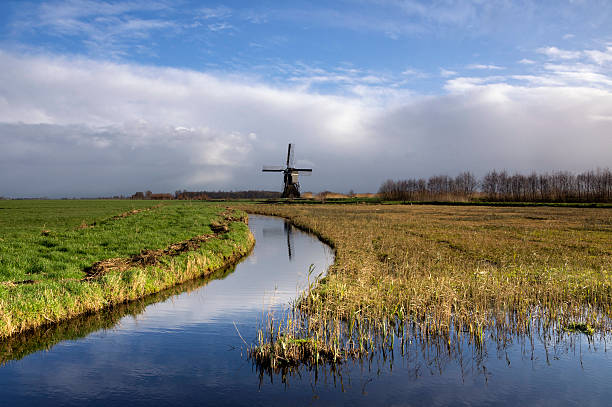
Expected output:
{"points": [[273, 168], [289, 154], [292, 158], [303, 172]]}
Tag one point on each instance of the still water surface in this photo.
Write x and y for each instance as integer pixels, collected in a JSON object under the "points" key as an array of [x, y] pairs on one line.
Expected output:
{"points": [[181, 347]]}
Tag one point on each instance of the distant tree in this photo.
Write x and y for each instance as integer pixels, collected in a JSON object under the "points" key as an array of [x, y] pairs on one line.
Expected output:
{"points": [[560, 186], [465, 184], [205, 195], [490, 185]]}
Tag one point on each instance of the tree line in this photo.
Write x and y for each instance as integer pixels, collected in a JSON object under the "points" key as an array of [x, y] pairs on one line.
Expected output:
{"points": [[205, 195], [500, 186]]}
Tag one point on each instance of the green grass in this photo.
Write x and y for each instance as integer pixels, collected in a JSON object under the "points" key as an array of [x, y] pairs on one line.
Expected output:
{"points": [[65, 250], [49, 244], [19, 346]]}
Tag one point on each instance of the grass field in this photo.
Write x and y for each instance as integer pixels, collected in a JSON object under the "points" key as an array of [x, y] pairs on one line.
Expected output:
{"points": [[48, 249], [445, 271]]}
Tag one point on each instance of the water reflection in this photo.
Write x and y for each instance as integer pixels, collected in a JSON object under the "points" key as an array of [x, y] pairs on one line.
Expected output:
{"points": [[568, 369], [420, 354], [286, 231], [19, 346]]}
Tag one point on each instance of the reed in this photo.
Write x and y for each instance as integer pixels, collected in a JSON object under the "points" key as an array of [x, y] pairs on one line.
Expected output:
{"points": [[431, 272]]}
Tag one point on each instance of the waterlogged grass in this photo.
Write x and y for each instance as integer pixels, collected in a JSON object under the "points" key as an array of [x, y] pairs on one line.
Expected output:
{"points": [[47, 246], [431, 272]]}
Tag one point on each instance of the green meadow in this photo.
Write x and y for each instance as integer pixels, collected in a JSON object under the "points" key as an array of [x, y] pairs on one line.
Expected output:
{"points": [[47, 248]]}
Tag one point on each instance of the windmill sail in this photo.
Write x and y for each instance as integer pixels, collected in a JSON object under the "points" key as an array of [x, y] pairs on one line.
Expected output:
{"points": [[290, 155], [273, 168]]}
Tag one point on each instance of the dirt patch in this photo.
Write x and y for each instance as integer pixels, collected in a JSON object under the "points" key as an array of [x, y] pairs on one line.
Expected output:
{"points": [[153, 257], [145, 257], [134, 212], [120, 216], [228, 216], [14, 283]]}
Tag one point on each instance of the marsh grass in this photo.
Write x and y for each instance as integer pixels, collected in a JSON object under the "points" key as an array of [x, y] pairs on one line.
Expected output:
{"points": [[43, 275], [444, 272]]}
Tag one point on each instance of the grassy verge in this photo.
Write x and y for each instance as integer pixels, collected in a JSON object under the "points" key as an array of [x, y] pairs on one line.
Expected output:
{"points": [[444, 272], [18, 346], [47, 249]]}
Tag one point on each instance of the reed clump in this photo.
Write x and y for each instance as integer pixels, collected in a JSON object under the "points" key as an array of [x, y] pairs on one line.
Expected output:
{"points": [[447, 272]]}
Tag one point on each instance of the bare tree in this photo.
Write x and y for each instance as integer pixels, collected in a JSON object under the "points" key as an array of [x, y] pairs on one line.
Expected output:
{"points": [[560, 186]]}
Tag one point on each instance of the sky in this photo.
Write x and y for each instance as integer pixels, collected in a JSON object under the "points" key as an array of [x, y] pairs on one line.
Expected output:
{"points": [[101, 98]]}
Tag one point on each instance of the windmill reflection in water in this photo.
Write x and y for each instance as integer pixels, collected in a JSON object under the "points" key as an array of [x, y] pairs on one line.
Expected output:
{"points": [[287, 231]]}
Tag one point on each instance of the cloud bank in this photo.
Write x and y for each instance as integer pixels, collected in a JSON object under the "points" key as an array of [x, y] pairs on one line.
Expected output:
{"points": [[79, 127]]}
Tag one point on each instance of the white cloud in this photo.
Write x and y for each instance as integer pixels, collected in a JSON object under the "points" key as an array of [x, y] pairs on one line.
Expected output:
{"points": [[539, 80], [445, 73], [603, 118], [579, 74], [497, 125], [347, 81], [74, 126], [414, 73], [526, 61], [487, 67], [222, 26], [462, 84], [220, 12], [600, 57], [556, 53], [106, 28], [199, 121]]}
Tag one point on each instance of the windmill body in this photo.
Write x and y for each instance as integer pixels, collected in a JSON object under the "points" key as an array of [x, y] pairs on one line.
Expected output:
{"points": [[291, 187]]}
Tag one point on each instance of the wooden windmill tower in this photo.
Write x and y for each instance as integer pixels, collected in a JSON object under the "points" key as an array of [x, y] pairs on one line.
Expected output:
{"points": [[291, 187]]}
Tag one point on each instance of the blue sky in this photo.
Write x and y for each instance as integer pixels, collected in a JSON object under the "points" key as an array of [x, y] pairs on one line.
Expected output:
{"points": [[117, 96]]}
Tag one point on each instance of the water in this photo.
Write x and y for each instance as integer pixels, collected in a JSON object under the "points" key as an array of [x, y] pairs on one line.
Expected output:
{"points": [[182, 347]]}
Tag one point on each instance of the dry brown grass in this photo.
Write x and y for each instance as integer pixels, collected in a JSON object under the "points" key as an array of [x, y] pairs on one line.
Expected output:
{"points": [[446, 271]]}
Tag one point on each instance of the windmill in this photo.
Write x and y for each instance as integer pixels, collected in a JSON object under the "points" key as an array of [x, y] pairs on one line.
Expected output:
{"points": [[291, 187]]}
